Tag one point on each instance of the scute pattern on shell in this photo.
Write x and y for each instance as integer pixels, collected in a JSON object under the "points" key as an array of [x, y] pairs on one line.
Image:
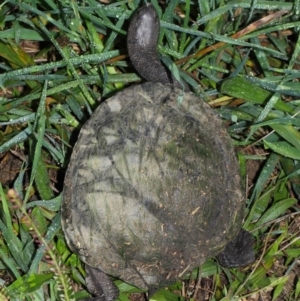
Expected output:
{"points": [[153, 187]]}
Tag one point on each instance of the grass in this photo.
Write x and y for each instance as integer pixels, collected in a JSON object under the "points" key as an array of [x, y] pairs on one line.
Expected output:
{"points": [[58, 58]]}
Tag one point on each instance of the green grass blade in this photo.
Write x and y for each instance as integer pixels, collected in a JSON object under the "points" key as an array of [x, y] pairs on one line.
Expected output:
{"points": [[276, 210]]}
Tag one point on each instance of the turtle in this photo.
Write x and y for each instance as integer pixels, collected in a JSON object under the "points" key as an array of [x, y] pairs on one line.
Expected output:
{"points": [[153, 187]]}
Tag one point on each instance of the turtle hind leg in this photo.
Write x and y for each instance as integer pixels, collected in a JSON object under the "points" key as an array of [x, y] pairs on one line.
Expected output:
{"points": [[238, 252], [100, 285]]}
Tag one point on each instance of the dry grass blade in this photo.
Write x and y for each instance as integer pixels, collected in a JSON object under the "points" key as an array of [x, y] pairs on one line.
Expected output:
{"points": [[250, 28]]}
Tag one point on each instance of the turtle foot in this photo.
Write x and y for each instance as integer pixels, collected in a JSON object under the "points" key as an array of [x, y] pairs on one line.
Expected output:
{"points": [[238, 252], [100, 285]]}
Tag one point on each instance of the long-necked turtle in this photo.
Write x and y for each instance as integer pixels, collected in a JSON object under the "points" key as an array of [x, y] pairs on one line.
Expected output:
{"points": [[153, 187]]}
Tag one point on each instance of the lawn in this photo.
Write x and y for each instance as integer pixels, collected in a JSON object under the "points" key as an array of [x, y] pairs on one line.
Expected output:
{"points": [[60, 59]]}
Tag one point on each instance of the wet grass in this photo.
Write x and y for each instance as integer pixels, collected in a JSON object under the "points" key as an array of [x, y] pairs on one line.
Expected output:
{"points": [[59, 58]]}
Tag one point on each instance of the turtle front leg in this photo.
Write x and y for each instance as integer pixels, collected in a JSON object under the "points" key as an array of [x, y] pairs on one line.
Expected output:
{"points": [[100, 285], [238, 252]]}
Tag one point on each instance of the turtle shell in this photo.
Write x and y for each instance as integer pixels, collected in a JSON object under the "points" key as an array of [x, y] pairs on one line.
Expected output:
{"points": [[153, 186]]}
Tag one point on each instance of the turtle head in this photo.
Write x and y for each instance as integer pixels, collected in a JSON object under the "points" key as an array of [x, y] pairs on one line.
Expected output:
{"points": [[144, 27]]}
